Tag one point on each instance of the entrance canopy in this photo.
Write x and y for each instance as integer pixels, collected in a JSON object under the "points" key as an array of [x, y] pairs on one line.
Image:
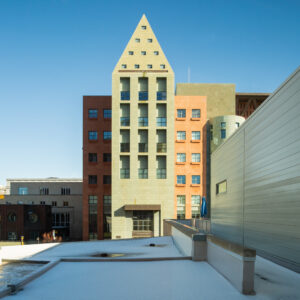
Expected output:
{"points": [[153, 207]]}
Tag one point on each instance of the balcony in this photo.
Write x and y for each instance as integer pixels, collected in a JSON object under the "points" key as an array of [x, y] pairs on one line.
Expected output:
{"points": [[161, 147], [125, 95], [143, 122], [161, 122], [125, 121], [161, 173], [143, 147], [143, 173], [125, 147], [143, 96], [124, 173], [161, 95]]}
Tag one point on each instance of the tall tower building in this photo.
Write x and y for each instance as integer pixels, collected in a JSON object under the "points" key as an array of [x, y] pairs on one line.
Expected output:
{"points": [[142, 137]]}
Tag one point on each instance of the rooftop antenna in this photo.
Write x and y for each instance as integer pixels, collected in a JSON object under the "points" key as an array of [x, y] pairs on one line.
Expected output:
{"points": [[189, 74]]}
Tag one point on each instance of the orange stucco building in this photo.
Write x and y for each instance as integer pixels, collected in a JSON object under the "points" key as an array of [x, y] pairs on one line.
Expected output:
{"points": [[190, 155]]}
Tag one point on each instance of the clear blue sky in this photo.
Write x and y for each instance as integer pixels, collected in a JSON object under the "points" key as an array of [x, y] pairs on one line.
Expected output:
{"points": [[54, 51]]}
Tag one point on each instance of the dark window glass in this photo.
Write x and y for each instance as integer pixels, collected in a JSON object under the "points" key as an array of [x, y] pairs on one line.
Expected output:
{"points": [[107, 179], [92, 179], [223, 133], [93, 113], [65, 191], [92, 157], [180, 179], [93, 135], [107, 113], [107, 135], [44, 191], [107, 157]]}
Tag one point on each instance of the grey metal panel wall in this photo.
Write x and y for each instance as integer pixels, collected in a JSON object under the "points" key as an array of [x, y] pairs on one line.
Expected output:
{"points": [[271, 183]]}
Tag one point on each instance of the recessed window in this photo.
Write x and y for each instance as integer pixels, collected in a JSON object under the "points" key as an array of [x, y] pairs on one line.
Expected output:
{"points": [[181, 113], [92, 179], [124, 66], [144, 27], [195, 179], [195, 157], [223, 133], [180, 199], [137, 40], [23, 190], [156, 52], [149, 66], [180, 179], [195, 113], [42, 203], [12, 217], [196, 199], [92, 157], [107, 135], [107, 179], [149, 40], [136, 66], [162, 66], [223, 125], [195, 135], [130, 52], [93, 135], [181, 136], [107, 113], [66, 203], [54, 203], [143, 52], [237, 124], [44, 191], [221, 187], [93, 199], [93, 113], [107, 199], [65, 191], [106, 157], [181, 157]]}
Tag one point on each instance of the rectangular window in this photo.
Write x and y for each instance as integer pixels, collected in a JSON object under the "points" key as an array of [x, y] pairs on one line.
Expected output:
{"points": [[195, 113], [92, 179], [124, 66], [136, 66], [221, 187], [223, 125], [180, 199], [44, 191], [107, 113], [162, 66], [149, 66], [93, 199], [107, 135], [196, 199], [137, 40], [54, 203], [195, 179], [195, 157], [161, 122], [195, 212], [237, 124], [156, 52], [144, 27], [130, 52], [92, 157], [180, 179], [93, 113], [107, 179], [107, 199], [23, 190], [181, 113], [181, 157], [42, 202], [195, 135], [149, 40], [65, 191], [107, 157], [143, 52], [223, 133], [181, 212], [66, 203], [93, 135], [181, 136]]}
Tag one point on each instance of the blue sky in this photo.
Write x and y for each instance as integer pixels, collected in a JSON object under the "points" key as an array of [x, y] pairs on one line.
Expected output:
{"points": [[54, 51]]}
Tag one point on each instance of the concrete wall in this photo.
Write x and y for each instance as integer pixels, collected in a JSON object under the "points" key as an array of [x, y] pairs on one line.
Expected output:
{"points": [[260, 162]]}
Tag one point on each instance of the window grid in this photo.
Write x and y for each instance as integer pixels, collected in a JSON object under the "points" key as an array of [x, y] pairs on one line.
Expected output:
{"points": [[195, 113], [195, 135], [181, 135], [181, 157], [181, 113], [195, 157], [195, 179], [180, 179]]}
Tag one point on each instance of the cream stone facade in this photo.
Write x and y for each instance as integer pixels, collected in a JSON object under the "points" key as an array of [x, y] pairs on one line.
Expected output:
{"points": [[142, 137]]}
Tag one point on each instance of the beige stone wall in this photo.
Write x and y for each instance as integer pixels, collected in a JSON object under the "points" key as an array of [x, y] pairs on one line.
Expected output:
{"points": [[220, 96]]}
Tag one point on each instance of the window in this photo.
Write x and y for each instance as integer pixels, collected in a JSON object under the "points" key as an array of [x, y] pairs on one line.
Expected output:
{"points": [[66, 203], [195, 135], [44, 191], [107, 113], [107, 179], [149, 40], [195, 113], [181, 113], [181, 135], [223, 125], [92, 179], [107, 199], [160, 122], [130, 52], [54, 203], [124, 66], [162, 66], [107, 135], [107, 157], [180, 179], [142, 220], [136, 66], [144, 27], [93, 199], [93, 113], [92, 157], [12, 217], [12, 236], [181, 212], [156, 52], [221, 187], [223, 133], [195, 212], [93, 135], [195, 157], [181, 157], [149, 66], [143, 52], [161, 173], [124, 173], [195, 179], [42, 203], [137, 40], [23, 190], [237, 124], [196, 199], [180, 199], [65, 191]]}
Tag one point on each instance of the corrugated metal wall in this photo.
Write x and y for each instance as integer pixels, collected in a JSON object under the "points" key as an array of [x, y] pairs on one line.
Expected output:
{"points": [[261, 163]]}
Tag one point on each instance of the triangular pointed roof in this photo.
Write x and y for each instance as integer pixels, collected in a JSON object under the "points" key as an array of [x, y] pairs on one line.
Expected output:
{"points": [[143, 49]]}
